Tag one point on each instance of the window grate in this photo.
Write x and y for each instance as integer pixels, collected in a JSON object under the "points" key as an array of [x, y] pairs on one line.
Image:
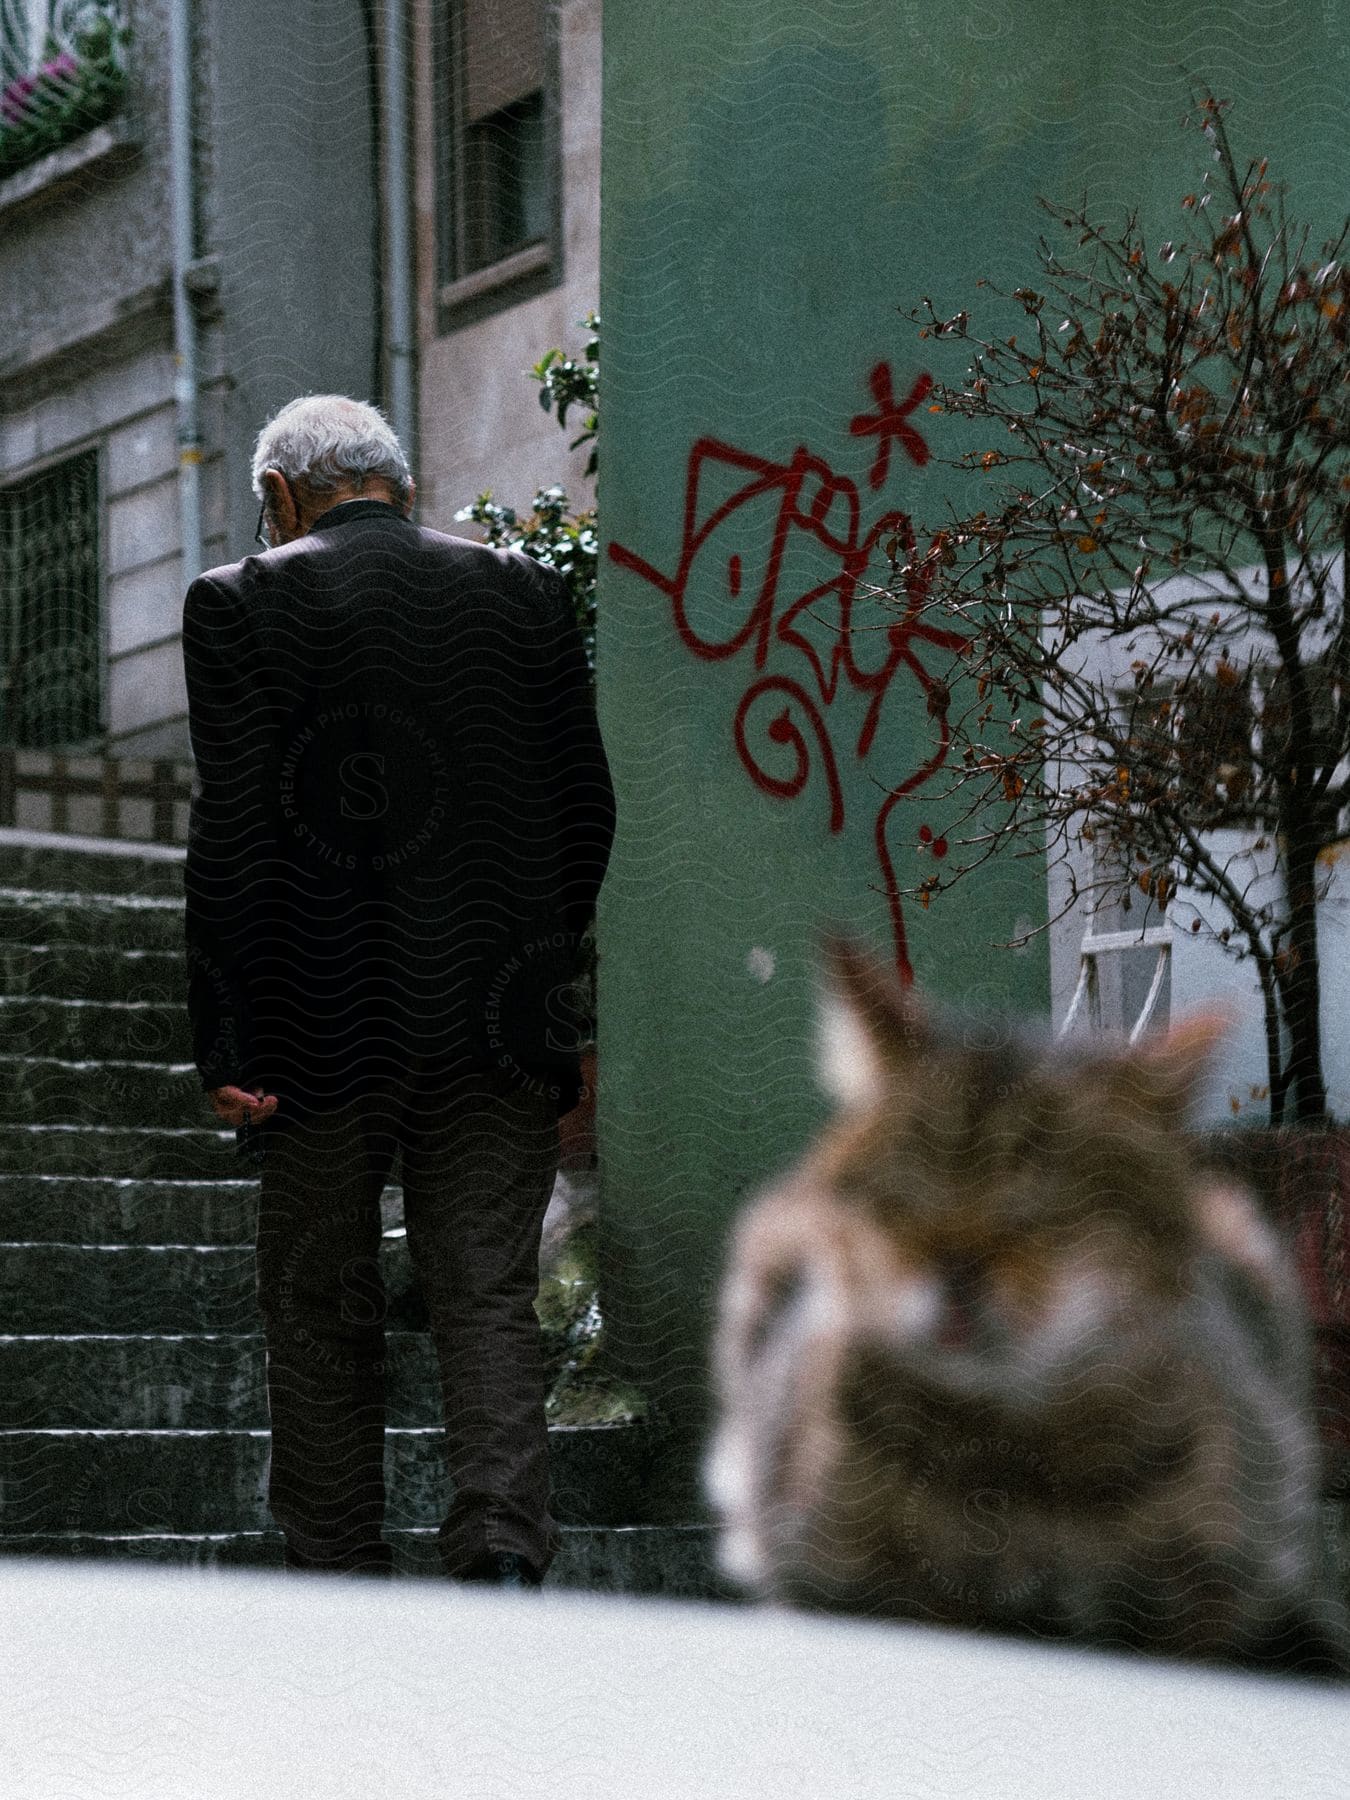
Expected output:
{"points": [[51, 660]]}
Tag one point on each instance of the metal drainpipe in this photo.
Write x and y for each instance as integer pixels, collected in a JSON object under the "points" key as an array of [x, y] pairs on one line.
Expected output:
{"points": [[184, 319], [397, 200]]}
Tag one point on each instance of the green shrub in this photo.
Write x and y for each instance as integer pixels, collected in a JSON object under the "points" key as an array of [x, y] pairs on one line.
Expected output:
{"points": [[552, 533]]}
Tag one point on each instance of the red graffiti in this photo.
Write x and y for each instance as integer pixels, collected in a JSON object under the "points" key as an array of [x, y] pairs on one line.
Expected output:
{"points": [[891, 421], [782, 517]]}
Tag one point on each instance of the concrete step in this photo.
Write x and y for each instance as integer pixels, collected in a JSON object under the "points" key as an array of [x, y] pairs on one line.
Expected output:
{"points": [[132, 1405], [124, 921], [61, 864], [144, 1152], [126, 1288], [170, 1482], [674, 1560], [48, 1090], [93, 972], [156, 1031], [148, 1381], [93, 1209]]}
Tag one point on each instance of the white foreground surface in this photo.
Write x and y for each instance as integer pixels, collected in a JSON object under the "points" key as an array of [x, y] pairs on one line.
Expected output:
{"points": [[187, 1685]]}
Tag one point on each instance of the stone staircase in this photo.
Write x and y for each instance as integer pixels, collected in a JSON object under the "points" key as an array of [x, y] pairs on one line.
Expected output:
{"points": [[132, 1413]]}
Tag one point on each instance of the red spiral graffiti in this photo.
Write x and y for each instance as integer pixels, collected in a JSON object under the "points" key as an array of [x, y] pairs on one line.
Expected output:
{"points": [[783, 731]]}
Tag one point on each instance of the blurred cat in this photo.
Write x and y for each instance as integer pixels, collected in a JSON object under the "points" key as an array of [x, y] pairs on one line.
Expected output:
{"points": [[999, 1353]]}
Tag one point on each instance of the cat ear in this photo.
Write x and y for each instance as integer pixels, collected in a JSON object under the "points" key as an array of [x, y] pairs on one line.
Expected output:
{"points": [[867, 1024], [1179, 1059]]}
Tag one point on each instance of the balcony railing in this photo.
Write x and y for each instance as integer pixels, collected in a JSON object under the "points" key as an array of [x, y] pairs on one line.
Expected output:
{"points": [[62, 72]]}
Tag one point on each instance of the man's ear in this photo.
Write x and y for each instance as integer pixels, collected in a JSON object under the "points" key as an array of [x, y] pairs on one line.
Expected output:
{"points": [[281, 505], [868, 1026]]}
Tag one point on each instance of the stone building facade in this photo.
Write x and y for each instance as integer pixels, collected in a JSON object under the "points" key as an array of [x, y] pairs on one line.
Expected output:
{"points": [[290, 288]]}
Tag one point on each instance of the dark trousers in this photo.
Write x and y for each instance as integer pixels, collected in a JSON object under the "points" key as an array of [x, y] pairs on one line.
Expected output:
{"points": [[478, 1166]]}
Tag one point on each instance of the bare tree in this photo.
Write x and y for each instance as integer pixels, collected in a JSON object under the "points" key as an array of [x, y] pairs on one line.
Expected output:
{"points": [[1155, 687]]}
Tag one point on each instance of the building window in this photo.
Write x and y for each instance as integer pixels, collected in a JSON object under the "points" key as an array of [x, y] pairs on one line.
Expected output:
{"points": [[51, 646], [1218, 743], [61, 73], [498, 237]]}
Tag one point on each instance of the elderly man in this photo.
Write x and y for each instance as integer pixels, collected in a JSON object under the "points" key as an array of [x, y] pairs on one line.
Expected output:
{"points": [[403, 818]]}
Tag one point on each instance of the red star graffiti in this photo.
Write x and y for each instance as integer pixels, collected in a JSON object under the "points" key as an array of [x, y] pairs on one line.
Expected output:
{"points": [[891, 421]]}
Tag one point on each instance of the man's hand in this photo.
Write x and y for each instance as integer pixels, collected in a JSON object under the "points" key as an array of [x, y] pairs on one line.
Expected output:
{"points": [[232, 1103]]}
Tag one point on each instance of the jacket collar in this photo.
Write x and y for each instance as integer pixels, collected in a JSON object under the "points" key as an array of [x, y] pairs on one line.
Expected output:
{"points": [[354, 509]]}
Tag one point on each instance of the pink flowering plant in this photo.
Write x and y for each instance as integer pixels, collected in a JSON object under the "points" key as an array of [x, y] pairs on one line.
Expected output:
{"points": [[76, 86]]}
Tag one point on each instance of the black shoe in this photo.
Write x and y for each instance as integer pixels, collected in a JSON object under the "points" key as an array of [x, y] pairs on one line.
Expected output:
{"points": [[504, 1569]]}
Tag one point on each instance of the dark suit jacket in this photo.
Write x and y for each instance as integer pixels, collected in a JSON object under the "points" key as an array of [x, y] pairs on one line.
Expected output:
{"points": [[403, 818]]}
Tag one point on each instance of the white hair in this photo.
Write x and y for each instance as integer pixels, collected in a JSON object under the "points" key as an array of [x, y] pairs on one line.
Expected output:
{"points": [[328, 441]]}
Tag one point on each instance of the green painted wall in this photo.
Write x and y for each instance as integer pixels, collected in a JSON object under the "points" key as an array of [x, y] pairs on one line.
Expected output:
{"points": [[777, 180]]}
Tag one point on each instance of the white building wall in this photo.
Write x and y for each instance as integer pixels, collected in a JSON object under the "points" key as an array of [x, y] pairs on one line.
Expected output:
{"points": [[1204, 973]]}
